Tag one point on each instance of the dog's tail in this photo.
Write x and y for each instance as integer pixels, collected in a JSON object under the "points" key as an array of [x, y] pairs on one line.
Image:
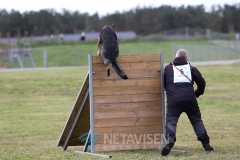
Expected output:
{"points": [[118, 69]]}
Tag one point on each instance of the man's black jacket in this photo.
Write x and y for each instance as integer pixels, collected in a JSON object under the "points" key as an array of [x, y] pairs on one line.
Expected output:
{"points": [[182, 91]]}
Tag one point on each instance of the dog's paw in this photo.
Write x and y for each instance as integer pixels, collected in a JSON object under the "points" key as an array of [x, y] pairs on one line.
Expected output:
{"points": [[108, 72]]}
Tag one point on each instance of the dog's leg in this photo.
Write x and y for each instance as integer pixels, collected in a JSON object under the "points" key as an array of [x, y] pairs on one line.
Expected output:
{"points": [[99, 48], [108, 71], [99, 43]]}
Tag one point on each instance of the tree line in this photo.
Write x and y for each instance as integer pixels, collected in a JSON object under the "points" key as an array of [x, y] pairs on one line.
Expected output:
{"points": [[144, 21]]}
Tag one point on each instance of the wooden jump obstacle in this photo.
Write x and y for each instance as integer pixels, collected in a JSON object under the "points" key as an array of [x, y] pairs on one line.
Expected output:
{"points": [[113, 114]]}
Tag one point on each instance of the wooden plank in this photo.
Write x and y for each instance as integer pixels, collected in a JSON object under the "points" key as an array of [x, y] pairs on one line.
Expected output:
{"points": [[73, 113], [122, 147], [128, 106], [128, 129], [106, 136], [131, 58], [150, 82], [149, 121], [75, 142], [127, 98], [82, 125], [130, 138], [143, 73], [128, 66], [126, 90], [127, 114], [127, 122], [83, 121]]}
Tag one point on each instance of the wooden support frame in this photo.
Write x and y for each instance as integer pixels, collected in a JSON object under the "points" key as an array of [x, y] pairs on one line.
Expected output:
{"points": [[119, 114]]}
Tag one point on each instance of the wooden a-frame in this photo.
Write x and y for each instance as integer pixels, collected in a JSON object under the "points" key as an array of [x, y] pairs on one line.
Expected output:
{"points": [[114, 114]]}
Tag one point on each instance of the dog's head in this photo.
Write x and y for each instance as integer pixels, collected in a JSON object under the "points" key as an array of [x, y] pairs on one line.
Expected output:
{"points": [[108, 26]]}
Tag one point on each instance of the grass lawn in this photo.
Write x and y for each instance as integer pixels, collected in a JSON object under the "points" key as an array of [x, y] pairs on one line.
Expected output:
{"points": [[35, 105], [77, 54]]}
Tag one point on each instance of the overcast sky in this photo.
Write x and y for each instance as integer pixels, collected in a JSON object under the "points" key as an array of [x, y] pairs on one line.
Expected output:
{"points": [[103, 7]]}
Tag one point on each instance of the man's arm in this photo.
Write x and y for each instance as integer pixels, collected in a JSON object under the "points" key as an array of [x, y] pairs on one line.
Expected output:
{"points": [[197, 77], [164, 78]]}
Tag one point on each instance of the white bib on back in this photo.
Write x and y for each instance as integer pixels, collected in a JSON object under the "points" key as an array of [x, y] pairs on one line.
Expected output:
{"points": [[178, 77]]}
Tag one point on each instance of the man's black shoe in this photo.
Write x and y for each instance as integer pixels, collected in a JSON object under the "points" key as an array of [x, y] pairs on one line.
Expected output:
{"points": [[167, 149], [207, 147]]}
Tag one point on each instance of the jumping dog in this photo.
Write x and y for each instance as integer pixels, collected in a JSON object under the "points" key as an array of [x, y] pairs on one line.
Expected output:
{"points": [[108, 49]]}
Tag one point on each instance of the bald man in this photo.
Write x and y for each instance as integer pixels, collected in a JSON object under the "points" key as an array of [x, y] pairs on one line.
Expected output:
{"points": [[179, 77]]}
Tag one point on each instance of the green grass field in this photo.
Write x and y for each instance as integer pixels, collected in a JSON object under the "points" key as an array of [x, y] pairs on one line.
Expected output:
{"points": [[76, 55], [35, 105]]}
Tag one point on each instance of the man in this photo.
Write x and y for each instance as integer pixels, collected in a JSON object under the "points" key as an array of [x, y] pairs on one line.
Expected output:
{"points": [[179, 77]]}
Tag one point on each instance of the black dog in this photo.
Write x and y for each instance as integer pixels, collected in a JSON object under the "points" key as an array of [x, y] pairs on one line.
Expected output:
{"points": [[108, 48]]}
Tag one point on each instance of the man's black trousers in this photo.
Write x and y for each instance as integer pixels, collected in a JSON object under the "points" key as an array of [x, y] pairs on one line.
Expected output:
{"points": [[175, 109]]}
